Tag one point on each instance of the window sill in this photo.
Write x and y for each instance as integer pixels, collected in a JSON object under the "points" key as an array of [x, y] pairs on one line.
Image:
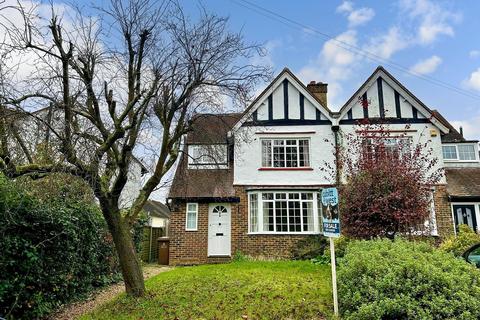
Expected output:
{"points": [[285, 169], [283, 233], [190, 230], [460, 161]]}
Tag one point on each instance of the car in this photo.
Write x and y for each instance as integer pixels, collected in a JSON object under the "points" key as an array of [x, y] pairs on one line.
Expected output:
{"points": [[472, 255]]}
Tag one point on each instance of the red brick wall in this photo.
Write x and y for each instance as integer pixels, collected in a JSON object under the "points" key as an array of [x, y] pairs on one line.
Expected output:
{"points": [[190, 247], [443, 212]]}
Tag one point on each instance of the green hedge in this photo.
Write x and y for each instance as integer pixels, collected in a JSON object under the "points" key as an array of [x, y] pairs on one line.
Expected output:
{"points": [[51, 253], [458, 244], [382, 279]]}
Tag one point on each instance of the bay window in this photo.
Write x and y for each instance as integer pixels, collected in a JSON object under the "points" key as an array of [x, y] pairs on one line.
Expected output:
{"points": [[285, 153], [283, 212]]}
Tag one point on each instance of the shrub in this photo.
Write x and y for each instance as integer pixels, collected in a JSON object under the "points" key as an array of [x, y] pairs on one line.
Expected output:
{"points": [[51, 252], [388, 187], [382, 279], [460, 243], [309, 248]]}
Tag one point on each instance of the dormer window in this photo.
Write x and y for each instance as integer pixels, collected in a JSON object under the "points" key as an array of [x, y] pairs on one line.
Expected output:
{"points": [[460, 152], [208, 156]]}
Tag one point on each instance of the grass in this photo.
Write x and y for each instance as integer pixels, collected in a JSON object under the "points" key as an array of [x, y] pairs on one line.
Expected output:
{"points": [[253, 290]]}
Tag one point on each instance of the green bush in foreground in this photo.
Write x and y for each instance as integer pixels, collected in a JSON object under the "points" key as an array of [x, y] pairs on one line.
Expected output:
{"points": [[382, 279], [460, 243], [51, 252]]}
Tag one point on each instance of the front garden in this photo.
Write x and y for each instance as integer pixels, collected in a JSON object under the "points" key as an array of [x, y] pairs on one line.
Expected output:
{"points": [[377, 279], [248, 289]]}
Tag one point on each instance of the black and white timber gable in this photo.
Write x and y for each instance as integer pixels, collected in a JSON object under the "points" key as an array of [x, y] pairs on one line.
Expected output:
{"points": [[286, 101], [382, 97]]}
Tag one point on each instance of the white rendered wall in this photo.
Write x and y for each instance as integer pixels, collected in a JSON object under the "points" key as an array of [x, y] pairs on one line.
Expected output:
{"points": [[421, 135], [248, 156]]}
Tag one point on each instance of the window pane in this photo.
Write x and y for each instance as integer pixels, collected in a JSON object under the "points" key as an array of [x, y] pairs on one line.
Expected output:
{"points": [[291, 155], [307, 196], [466, 152], [191, 220], [268, 216], [294, 216], [307, 212], [192, 207], [304, 160], [278, 154], [253, 212], [267, 196], [449, 152], [266, 153], [281, 216]]}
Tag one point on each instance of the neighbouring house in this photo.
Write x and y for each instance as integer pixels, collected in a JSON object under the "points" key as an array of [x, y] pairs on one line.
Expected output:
{"points": [[158, 215], [156, 226], [250, 181]]}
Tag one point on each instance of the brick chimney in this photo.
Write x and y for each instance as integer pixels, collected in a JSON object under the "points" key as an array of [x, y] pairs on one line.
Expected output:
{"points": [[319, 90]]}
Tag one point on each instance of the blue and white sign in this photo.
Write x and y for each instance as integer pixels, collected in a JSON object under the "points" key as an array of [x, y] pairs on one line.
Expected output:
{"points": [[330, 214]]}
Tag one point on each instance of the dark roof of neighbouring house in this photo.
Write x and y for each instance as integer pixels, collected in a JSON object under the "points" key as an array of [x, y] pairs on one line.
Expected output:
{"points": [[453, 135], [463, 182], [201, 183], [157, 209], [211, 128]]}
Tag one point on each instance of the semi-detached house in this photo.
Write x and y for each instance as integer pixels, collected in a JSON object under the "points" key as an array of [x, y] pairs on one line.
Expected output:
{"points": [[250, 181]]}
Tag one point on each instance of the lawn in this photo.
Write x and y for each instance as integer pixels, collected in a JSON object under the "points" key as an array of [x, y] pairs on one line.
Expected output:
{"points": [[253, 290]]}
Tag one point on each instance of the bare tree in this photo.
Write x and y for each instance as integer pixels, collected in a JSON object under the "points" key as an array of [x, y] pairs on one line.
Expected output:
{"points": [[115, 87]]}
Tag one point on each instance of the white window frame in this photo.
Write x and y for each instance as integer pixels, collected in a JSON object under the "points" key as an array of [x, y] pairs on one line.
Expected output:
{"points": [[315, 212], [387, 143], [196, 216], [457, 159], [284, 139]]}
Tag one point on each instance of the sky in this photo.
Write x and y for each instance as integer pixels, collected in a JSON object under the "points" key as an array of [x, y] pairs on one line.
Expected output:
{"points": [[432, 47]]}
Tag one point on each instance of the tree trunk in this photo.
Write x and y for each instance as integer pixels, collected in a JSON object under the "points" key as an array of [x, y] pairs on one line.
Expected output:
{"points": [[127, 257]]}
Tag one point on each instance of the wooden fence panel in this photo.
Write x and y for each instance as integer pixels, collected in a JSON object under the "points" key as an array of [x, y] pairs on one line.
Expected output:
{"points": [[150, 244]]}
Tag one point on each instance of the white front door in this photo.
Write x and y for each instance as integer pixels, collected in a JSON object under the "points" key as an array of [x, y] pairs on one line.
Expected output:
{"points": [[219, 229]]}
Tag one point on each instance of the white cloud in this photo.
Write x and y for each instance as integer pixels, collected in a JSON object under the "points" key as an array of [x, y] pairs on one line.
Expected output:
{"points": [[360, 16], [356, 17], [385, 45], [346, 6], [333, 65], [427, 66], [473, 81], [474, 53], [434, 20]]}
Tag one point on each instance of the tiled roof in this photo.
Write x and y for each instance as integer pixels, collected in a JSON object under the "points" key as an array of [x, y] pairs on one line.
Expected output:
{"points": [[453, 135], [211, 128], [157, 209], [463, 182], [205, 183]]}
